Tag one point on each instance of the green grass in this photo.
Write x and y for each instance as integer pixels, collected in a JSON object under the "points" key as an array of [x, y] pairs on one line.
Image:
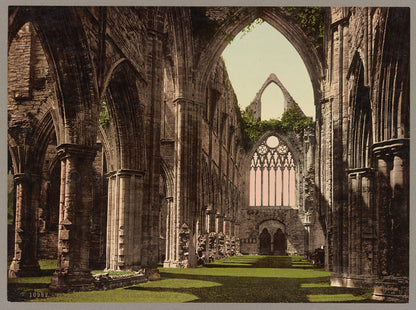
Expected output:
{"points": [[48, 264], [234, 279]]}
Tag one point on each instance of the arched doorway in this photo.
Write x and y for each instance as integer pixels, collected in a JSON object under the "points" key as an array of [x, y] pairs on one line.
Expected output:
{"points": [[279, 243], [265, 243]]}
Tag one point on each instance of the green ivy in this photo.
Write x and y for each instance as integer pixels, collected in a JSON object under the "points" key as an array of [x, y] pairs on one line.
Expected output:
{"points": [[252, 129], [250, 27], [225, 78], [104, 117], [311, 20]]}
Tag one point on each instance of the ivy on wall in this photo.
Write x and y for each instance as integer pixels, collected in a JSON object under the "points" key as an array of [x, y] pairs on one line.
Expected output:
{"points": [[311, 20], [252, 129], [104, 117], [206, 23]]}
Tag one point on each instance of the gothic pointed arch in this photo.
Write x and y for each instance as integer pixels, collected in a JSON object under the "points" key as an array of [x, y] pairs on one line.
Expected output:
{"points": [[76, 85], [235, 19], [255, 105], [125, 108], [360, 124]]}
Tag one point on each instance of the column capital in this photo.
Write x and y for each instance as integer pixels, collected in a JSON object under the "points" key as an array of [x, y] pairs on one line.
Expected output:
{"points": [[187, 101], [74, 150], [125, 173], [209, 209], [26, 177], [389, 148], [353, 173], [21, 177]]}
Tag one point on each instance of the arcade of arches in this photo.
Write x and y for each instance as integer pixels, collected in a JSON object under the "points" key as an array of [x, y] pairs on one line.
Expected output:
{"points": [[125, 147]]}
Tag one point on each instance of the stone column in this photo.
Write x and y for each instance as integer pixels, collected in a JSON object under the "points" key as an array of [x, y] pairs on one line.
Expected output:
{"points": [[382, 213], [73, 272], [151, 228], [219, 223], [392, 220], [368, 220], [232, 227], [171, 234], [124, 220], [226, 228], [186, 161], [399, 183], [24, 261], [354, 228], [210, 219]]}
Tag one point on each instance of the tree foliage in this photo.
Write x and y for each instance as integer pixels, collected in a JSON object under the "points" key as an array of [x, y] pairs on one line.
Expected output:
{"points": [[252, 129]]}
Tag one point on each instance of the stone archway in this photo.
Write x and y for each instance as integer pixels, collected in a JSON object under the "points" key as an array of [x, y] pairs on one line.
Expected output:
{"points": [[279, 243], [256, 104], [234, 20], [265, 242]]}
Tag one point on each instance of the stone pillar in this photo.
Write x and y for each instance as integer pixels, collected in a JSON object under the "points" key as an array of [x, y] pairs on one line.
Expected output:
{"points": [[24, 261], [392, 220], [354, 228], [360, 219], [382, 213], [171, 234], [368, 228], [399, 182], [186, 159], [150, 231], [124, 220], [226, 228], [210, 219], [307, 225], [219, 223], [73, 272]]}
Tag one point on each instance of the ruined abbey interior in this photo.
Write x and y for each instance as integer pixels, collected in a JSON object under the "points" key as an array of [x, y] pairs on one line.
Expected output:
{"points": [[126, 146]]}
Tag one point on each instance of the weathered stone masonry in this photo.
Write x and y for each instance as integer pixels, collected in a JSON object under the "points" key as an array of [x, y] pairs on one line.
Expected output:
{"points": [[126, 150], [364, 134]]}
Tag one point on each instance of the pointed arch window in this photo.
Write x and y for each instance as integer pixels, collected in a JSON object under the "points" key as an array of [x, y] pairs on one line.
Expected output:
{"points": [[272, 174]]}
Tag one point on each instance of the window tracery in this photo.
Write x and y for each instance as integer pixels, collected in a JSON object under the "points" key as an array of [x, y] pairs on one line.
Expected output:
{"points": [[272, 174]]}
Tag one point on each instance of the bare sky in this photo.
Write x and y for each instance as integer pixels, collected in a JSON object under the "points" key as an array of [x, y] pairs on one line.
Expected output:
{"points": [[251, 59]]}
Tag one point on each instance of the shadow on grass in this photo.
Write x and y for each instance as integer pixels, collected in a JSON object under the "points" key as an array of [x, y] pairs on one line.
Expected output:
{"points": [[252, 279], [263, 262], [246, 289]]}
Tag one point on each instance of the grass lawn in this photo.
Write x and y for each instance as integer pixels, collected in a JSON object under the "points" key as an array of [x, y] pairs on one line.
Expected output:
{"points": [[235, 279]]}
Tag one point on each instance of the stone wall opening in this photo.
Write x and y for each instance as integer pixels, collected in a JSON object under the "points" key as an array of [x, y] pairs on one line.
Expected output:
{"points": [[273, 175]]}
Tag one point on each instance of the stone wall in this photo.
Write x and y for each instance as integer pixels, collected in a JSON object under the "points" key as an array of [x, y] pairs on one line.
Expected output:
{"points": [[254, 219], [364, 149], [172, 112]]}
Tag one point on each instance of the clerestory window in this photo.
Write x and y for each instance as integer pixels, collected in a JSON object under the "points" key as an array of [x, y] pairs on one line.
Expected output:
{"points": [[272, 174]]}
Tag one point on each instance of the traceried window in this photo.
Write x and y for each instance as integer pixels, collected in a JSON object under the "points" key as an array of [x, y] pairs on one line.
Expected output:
{"points": [[272, 174]]}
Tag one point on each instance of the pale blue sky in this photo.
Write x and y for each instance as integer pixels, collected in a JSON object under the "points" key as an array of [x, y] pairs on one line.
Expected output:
{"points": [[251, 59]]}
